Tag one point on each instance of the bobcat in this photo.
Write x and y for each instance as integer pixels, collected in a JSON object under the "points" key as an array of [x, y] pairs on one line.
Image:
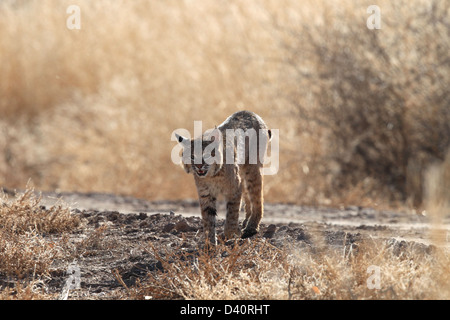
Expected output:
{"points": [[232, 171]]}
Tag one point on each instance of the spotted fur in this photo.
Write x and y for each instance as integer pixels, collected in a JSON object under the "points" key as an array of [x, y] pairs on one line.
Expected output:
{"points": [[235, 180]]}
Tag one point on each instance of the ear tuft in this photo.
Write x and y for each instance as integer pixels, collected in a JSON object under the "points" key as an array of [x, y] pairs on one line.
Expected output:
{"points": [[180, 139], [215, 134]]}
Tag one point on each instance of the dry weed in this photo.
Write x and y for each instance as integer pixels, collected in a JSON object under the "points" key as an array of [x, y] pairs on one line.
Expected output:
{"points": [[375, 102], [24, 213], [34, 290], [258, 270], [26, 254], [248, 270], [27, 251], [437, 199]]}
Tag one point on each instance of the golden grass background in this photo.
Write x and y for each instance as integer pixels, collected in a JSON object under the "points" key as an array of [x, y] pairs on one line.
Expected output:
{"points": [[361, 113]]}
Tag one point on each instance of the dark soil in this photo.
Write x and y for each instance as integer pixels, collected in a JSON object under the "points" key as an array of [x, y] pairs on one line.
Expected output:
{"points": [[112, 245]]}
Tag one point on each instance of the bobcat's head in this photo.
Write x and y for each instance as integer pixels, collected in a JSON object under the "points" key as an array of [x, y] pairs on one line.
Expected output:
{"points": [[202, 156]]}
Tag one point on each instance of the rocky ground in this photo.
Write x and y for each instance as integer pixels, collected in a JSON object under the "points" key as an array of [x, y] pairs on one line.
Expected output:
{"points": [[117, 230]]}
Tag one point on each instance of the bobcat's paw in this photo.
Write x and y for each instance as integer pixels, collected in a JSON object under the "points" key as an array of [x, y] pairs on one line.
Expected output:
{"points": [[247, 233]]}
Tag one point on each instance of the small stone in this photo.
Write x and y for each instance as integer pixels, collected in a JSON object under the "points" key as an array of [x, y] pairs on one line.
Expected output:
{"points": [[183, 226], [142, 216], [270, 231], [112, 216], [168, 227]]}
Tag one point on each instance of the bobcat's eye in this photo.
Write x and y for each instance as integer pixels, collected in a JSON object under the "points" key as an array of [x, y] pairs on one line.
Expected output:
{"points": [[207, 156]]}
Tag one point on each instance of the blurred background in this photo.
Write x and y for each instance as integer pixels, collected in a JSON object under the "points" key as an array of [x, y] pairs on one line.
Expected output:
{"points": [[362, 113]]}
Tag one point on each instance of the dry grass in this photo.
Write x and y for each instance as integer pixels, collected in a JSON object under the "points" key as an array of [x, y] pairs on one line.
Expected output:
{"points": [[361, 112], [258, 270], [437, 198], [376, 101], [250, 269], [28, 291], [25, 213], [361, 115], [26, 253]]}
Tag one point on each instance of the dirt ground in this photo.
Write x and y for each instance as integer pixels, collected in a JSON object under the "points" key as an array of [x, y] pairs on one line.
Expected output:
{"points": [[118, 230]]}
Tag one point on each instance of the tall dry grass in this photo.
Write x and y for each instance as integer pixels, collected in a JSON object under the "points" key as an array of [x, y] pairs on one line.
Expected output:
{"points": [[378, 101], [437, 199], [360, 112]]}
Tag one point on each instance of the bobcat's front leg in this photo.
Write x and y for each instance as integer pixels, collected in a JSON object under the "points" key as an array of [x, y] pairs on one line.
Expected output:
{"points": [[232, 229], [233, 198], [209, 213]]}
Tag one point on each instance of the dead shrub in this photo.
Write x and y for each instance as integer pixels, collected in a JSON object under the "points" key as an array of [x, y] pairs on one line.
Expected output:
{"points": [[258, 270], [26, 248], [239, 271], [26, 254], [25, 213], [376, 99], [34, 290]]}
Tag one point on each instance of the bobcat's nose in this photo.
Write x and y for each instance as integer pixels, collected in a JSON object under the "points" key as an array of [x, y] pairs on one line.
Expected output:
{"points": [[199, 166]]}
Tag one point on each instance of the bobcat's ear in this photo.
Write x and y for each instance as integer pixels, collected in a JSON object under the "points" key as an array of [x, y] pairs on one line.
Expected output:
{"points": [[184, 141], [215, 135]]}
